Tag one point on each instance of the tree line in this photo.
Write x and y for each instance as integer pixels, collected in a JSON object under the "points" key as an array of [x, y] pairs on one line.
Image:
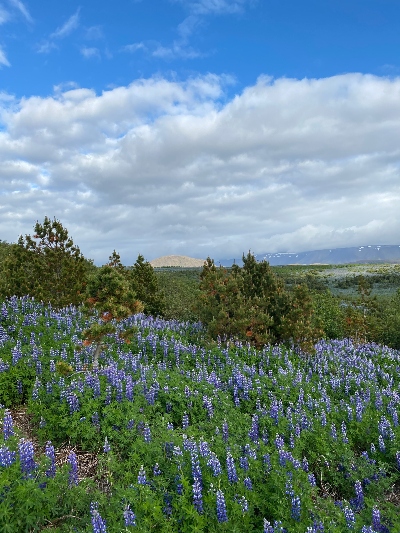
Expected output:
{"points": [[249, 303]]}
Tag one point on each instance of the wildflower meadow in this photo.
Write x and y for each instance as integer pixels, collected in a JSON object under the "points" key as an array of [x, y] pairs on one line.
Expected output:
{"points": [[172, 433]]}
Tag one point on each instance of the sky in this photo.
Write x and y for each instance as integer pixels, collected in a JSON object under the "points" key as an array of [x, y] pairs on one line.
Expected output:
{"points": [[201, 127]]}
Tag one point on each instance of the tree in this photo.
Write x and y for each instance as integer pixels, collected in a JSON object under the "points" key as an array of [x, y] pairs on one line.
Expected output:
{"points": [[109, 296], [47, 266], [251, 303], [145, 284]]}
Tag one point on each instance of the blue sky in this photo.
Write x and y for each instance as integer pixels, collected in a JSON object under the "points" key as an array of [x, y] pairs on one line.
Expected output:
{"points": [[202, 127]]}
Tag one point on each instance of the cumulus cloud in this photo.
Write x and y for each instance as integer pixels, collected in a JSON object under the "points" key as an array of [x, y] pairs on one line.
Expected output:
{"points": [[162, 167]]}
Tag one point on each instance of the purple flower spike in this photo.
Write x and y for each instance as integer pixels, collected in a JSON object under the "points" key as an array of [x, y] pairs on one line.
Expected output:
{"points": [[98, 524], [350, 518], [26, 452], [142, 476], [232, 475], [8, 425], [51, 471], [197, 496], [7, 457], [221, 507], [73, 473], [376, 519], [267, 527], [129, 517], [106, 447]]}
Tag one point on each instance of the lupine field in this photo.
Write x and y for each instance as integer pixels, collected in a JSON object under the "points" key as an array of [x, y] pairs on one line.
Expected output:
{"points": [[171, 434]]}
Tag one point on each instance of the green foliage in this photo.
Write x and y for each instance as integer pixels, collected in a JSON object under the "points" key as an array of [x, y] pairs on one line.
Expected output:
{"points": [[180, 288], [251, 304], [145, 284], [110, 296], [52, 269], [329, 314]]}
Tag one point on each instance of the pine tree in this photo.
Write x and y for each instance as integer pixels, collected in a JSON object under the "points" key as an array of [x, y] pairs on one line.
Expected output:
{"points": [[251, 304], [47, 266], [145, 284], [110, 297]]}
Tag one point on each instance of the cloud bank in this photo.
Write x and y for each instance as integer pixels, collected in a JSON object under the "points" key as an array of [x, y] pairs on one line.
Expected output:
{"points": [[166, 167]]}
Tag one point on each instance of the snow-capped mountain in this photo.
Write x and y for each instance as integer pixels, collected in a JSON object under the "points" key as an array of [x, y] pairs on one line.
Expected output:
{"points": [[375, 253]]}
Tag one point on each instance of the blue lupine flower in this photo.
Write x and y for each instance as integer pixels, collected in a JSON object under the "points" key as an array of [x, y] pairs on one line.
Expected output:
{"points": [[26, 453], [221, 507], [185, 421], [142, 476], [7, 457], [157, 470], [350, 518], [147, 433], [8, 425], [225, 431], [98, 524], [247, 483], [214, 464], [73, 473], [376, 519], [358, 501], [296, 508], [267, 461], [267, 527], [230, 465], [129, 516], [312, 480], [51, 471], [197, 496], [243, 503], [253, 433], [106, 446], [244, 463], [207, 402]]}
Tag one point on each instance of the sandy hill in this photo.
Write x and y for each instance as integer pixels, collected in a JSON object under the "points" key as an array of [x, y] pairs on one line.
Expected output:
{"points": [[176, 261]]}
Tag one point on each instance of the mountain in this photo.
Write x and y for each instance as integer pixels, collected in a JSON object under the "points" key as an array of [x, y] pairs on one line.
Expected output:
{"points": [[377, 253], [177, 261]]}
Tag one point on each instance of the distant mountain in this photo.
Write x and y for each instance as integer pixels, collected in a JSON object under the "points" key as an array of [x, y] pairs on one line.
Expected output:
{"points": [[180, 261], [376, 253]]}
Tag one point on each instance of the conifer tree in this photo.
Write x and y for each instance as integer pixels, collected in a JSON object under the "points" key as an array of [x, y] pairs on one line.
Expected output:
{"points": [[110, 297], [251, 303], [145, 284], [47, 266]]}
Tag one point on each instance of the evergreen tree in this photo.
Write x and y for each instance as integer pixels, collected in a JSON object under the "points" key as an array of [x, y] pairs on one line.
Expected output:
{"points": [[110, 297], [47, 266], [251, 303], [145, 284]]}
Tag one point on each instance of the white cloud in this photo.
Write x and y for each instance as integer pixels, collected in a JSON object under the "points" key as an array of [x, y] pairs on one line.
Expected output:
{"points": [[22, 9], [165, 167], [90, 52], [68, 27], [94, 33], [206, 7], [134, 47], [178, 49], [3, 58], [4, 15]]}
